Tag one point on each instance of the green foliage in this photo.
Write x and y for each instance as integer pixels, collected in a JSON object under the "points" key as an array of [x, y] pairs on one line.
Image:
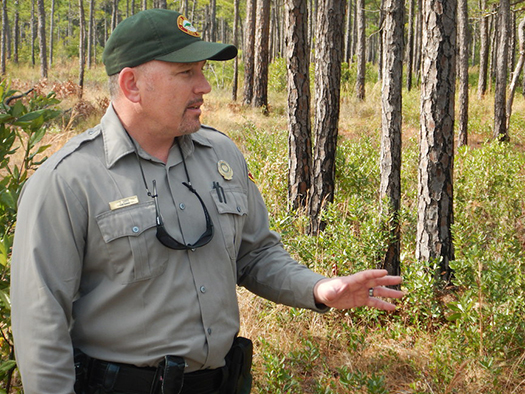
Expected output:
{"points": [[349, 75], [356, 380], [277, 372], [479, 320], [23, 124], [277, 75], [267, 158], [490, 264], [220, 74]]}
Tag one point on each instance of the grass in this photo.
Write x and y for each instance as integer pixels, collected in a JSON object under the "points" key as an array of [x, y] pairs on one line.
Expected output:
{"points": [[470, 339]]}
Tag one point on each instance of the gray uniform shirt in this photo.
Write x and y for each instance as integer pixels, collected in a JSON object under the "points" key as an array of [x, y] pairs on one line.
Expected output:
{"points": [[89, 272]]}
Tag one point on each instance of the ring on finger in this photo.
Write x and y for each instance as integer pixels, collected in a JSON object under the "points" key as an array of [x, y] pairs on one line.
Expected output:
{"points": [[371, 292]]}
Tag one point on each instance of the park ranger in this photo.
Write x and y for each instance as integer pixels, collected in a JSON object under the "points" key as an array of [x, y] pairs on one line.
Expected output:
{"points": [[131, 239]]}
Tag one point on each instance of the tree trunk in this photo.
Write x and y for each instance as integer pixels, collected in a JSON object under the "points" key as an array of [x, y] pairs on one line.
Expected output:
{"points": [[354, 29], [213, 20], [348, 36], [185, 8], [69, 22], [483, 51], [380, 34], [275, 31], [8, 38], [410, 48], [474, 43], [517, 70], [16, 34], [436, 157], [512, 41], [33, 32], [91, 34], [51, 32], [417, 44], [114, 15], [4, 38], [42, 38], [391, 100], [494, 20], [262, 36], [299, 125], [500, 112], [236, 43], [249, 51], [328, 56], [463, 55], [361, 50], [81, 46]]}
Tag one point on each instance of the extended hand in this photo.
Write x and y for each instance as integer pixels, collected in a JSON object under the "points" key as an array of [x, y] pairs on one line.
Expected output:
{"points": [[352, 291]]}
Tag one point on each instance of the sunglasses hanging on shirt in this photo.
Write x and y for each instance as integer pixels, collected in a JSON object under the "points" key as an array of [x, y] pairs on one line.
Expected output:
{"points": [[162, 234]]}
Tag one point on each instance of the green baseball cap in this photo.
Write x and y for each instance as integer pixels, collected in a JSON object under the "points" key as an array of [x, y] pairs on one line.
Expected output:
{"points": [[159, 34]]}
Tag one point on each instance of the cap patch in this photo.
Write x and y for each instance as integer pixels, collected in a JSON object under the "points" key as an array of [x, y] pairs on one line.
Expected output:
{"points": [[186, 26]]}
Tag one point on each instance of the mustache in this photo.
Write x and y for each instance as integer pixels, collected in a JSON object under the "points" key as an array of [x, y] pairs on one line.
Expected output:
{"points": [[194, 102]]}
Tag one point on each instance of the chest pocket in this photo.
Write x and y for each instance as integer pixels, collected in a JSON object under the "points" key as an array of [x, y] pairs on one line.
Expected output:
{"points": [[133, 249], [233, 208]]}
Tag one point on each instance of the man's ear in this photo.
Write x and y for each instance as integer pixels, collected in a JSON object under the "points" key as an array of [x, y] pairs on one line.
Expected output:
{"points": [[128, 84]]}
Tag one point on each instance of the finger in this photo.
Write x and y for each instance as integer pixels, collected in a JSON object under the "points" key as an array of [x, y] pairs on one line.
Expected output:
{"points": [[385, 292], [380, 304], [388, 281], [373, 274], [377, 277]]}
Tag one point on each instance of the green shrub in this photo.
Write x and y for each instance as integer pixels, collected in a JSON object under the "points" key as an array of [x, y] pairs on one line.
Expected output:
{"points": [[23, 124]]}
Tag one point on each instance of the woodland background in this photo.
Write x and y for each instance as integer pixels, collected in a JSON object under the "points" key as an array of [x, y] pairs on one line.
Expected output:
{"points": [[408, 155]]}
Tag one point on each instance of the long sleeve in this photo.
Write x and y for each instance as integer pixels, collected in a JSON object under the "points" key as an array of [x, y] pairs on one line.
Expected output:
{"points": [[46, 267], [266, 268]]}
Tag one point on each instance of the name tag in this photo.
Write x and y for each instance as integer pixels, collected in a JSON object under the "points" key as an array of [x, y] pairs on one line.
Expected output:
{"points": [[125, 202]]}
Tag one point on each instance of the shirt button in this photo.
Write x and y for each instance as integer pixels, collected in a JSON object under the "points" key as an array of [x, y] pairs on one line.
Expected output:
{"points": [[182, 206], [203, 289], [135, 229], [239, 209], [209, 331]]}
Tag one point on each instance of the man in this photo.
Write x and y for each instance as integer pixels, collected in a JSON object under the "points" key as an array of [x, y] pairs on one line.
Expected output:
{"points": [[132, 238]]}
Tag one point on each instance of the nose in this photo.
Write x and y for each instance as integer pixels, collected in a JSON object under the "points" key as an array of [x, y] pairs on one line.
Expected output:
{"points": [[203, 86]]}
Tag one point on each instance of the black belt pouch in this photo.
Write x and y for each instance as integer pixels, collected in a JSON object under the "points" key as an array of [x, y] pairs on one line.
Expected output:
{"points": [[81, 372], [239, 362]]}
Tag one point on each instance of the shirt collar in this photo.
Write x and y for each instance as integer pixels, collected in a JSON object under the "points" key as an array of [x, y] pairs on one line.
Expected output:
{"points": [[117, 143]]}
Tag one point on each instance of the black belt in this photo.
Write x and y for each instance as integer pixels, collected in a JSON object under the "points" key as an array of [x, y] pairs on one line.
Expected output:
{"points": [[136, 380]]}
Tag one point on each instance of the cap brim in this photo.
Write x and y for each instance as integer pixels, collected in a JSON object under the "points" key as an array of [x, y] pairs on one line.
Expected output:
{"points": [[199, 51]]}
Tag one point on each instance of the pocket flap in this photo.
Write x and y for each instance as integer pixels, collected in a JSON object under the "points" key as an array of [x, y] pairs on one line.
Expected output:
{"points": [[126, 222], [232, 202]]}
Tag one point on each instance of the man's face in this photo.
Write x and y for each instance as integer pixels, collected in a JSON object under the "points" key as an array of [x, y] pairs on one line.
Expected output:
{"points": [[172, 94]]}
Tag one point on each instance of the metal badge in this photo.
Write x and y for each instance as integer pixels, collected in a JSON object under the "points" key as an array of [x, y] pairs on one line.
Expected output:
{"points": [[125, 202], [225, 170]]}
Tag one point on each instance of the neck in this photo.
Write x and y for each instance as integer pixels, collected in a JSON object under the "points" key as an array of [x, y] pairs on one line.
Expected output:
{"points": [[153, 145], [152, 141]]}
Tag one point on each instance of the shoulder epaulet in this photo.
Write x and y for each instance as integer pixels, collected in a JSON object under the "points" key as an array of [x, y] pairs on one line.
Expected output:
{"points": [[209, 127], [72, 145], [213, 129]]}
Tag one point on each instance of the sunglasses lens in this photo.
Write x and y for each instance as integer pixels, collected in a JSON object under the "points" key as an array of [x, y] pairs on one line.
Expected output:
{"points": [[170, 242]]}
